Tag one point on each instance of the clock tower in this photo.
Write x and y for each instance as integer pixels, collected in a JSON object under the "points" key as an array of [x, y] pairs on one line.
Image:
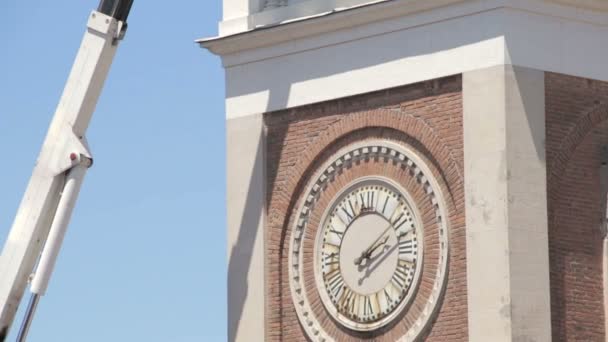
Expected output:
{"points": [[414, 170]]}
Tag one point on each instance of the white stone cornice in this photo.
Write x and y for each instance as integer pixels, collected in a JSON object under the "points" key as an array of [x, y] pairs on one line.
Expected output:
{"points": [[308, 18], [317, 23], [336, 56]]}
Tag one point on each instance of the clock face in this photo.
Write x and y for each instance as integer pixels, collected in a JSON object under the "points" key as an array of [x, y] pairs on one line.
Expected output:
{"points": [[368, 253]]}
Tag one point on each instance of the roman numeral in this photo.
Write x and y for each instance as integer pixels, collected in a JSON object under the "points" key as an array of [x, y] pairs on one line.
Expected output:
{"points": [[344, 214], [390, 207], [331, 259], [335, 284], [407, 253], [364, 200], [406, 246], [340, 234], [385, 203], [331, 276], [400, 276], [354, 208], [337, 287], [352, 304], [388, 298], [367, 199], [350, 217], [335, 232], [346, 300], [367, 306]]}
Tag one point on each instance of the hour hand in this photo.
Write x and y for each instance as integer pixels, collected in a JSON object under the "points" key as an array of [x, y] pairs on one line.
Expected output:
{"points": [[359, 260], [365, 255], [371, 251]]}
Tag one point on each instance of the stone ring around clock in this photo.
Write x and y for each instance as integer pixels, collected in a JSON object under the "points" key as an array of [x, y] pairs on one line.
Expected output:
{"points": [[399, 155]]}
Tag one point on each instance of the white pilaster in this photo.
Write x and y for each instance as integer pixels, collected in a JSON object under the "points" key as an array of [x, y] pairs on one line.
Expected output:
{"points": [[245, 167], [506, 206]]}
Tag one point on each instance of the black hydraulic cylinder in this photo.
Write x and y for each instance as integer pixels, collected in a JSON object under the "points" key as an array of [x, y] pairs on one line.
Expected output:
{"points": [[117, 9]]}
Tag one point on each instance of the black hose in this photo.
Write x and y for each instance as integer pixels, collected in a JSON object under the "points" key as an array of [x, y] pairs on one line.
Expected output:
{"points": [[118, 9]]}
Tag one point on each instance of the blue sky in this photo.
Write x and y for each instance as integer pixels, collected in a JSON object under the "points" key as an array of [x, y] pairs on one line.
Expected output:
{"points": [[144, 258]]}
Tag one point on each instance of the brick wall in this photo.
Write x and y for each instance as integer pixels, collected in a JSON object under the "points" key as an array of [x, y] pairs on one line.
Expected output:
{"points": [[426, 116], [577, 127]]}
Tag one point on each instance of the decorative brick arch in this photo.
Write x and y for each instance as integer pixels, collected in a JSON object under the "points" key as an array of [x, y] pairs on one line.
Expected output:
{"points": [[395, 119], [583, 127], [575, 137]]}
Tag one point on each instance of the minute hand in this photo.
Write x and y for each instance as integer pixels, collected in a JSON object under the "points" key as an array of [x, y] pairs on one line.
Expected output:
{"points": [[371, 251], [367, 252]]}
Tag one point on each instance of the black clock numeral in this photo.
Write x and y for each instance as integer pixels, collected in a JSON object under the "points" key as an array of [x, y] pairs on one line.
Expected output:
{"points": [[352, 303], [406, 246], [388, 298], [332, 275], [364, 203], [367, 306], [367, 199], [385, 203], [331, 259], [335, 285], [337, 281], [337, 288], [353, 207], [350, 217], [339, 233], [346, 299], [400, 276]]}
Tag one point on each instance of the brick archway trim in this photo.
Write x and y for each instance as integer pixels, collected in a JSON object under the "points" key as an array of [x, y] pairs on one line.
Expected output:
{"points": [[394, 119], [575, 137]]}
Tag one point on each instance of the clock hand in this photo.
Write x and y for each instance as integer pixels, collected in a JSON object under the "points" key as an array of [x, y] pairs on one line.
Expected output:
{"points": [[370, 257], [371, 251], [373, 266], [367, 252]]}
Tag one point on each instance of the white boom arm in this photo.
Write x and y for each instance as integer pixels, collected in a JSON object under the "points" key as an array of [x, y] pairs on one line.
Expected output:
{"points": [[45, 210]]}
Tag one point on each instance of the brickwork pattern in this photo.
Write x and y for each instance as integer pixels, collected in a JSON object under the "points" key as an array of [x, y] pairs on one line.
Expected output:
{"points": [[426, 116], [576, 127]]}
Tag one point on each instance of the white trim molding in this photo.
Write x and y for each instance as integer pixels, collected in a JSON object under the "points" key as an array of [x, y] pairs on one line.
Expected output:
{"points": [[247, 15], [401, 42]]}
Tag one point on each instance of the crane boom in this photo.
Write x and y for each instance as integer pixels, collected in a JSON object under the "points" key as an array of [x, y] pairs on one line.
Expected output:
{"points": [[45, 209]]}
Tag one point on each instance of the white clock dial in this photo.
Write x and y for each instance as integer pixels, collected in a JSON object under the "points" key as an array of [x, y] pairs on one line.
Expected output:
{"points": [[368, 254]]}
